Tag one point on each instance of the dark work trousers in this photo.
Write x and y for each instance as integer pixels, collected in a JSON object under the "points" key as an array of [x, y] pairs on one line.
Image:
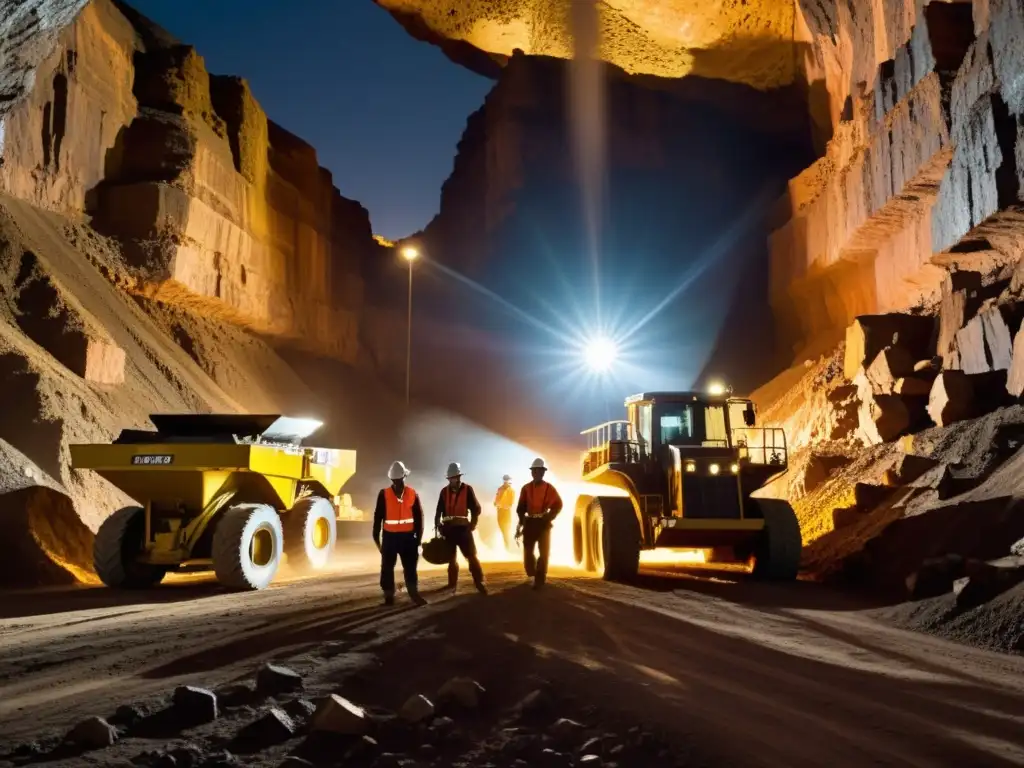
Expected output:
{"points": [[536, 533], [392, 547], [462, 537], [505, 524]]}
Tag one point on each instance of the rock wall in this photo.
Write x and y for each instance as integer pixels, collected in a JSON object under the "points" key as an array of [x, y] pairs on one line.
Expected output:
{"points": [[861, 233], [217, 207]]}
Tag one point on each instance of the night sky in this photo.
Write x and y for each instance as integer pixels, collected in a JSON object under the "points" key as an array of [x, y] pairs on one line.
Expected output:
{"points": [[383, 111]]}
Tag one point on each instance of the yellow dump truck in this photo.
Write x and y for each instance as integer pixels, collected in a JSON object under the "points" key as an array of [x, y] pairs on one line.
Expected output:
{"points": [[235, 494]]}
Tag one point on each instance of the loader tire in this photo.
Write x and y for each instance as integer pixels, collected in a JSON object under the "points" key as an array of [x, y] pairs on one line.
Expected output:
{"points": [[580, 554], [614, 540], [247, 546], [311, 533], [115, 550], [777, 553]]}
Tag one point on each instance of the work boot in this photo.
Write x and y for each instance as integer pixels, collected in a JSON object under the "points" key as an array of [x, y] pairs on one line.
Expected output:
{"points": [[389, 598], [481, 588], [417, 598]]}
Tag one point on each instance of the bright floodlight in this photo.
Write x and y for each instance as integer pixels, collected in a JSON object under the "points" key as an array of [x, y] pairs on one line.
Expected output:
{"points": [[600, 353], [716, 388], [409, 253]]}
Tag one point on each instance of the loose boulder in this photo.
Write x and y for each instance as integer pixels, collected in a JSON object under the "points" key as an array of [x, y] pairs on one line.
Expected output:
{"points": [[274, 727], [984, 581], [844, 517], [195, 705], [463, 691], [960, 301], [417, 709], [820, 467], [935, 577], [93, 733], [273, 680], [889, 365], [911, 467], [882, 418], [951, 398], [339, 715], [870, 334], [913, 386]]}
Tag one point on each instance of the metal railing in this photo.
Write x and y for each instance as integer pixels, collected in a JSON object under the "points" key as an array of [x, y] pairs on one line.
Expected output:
{"points": [[609, 443], [761, 445]]}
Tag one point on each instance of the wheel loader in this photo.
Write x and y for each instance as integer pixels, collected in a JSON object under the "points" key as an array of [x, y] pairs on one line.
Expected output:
{"points": [[235, 494], [687, 463]]}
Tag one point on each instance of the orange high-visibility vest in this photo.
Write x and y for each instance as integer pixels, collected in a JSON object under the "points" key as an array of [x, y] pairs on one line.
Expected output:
{"points": [[455, 504], [539, 498], [398, 517]]}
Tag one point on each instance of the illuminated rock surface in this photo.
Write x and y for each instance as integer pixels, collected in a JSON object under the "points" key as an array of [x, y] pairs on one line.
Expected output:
{"points": [[747, 41]]}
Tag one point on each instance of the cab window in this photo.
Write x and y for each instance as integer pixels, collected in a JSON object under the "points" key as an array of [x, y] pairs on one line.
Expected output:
{"points": [[676, 424], [715, 433]]}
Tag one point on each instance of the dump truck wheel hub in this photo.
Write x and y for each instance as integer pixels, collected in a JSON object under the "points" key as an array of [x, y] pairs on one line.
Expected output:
{"points": [[321, 534], [261, 548]]}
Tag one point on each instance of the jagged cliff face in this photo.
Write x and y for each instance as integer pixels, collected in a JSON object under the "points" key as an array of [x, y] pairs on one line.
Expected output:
{"points": [[216, 206], [921, 176], [745, 41]]}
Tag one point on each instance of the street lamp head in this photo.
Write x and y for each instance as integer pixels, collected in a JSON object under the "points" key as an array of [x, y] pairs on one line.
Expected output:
{"points": [[409, 253]]}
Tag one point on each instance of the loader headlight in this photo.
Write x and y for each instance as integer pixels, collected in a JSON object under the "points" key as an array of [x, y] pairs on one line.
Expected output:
{"points": [[714, 469], [691, 467], [735, 469]]}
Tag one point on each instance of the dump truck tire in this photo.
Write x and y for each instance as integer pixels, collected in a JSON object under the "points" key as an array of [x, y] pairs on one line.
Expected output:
{"points": [[115, 548], [614, 539], [311, 533], [777, 555], [247, 546]]}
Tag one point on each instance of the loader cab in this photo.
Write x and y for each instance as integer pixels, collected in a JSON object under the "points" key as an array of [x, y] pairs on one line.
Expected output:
{"points": [[687, 420]]}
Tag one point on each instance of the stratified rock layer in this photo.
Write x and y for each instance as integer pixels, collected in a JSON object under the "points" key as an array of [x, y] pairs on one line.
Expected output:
{"points": [[217, 207]]}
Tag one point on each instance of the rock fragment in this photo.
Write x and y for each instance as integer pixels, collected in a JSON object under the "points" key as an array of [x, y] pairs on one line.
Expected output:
{"points": [[951, 398], [463, 691], [935, 577], [196, 705], [417, 709], [338, 715], [275, 727], [93, 733], [273, 680]]}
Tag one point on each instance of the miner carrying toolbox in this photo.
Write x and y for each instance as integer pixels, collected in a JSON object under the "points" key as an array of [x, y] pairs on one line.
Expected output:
{"points": [[397, 532], [457, 514], [539, 505]]}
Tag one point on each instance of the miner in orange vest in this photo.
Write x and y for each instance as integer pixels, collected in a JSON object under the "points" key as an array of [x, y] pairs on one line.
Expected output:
{"points": [[397, 532], [539, 505], [457, 514]]}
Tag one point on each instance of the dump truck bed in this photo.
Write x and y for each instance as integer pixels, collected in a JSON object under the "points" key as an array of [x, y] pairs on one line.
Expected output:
{"points": [[162, 470]]}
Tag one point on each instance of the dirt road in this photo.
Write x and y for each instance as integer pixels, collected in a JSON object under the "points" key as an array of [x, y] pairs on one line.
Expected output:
{"points": [[740, 673]]}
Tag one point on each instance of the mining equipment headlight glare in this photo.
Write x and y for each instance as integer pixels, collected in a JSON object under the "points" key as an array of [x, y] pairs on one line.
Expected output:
{"points": [[735, 469], [714, 469], [691, 467]]}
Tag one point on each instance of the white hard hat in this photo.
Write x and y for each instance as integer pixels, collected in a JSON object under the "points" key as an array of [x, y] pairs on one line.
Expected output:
{"points": [[398, 471], [538, 463], [454, 470], [506, 478]]}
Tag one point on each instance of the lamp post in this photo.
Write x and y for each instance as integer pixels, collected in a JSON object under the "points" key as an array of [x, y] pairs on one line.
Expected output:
{"points": [[410, 254]]}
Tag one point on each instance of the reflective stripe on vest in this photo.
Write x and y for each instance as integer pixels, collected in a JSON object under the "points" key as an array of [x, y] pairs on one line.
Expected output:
{"points": [[456, 507], [536, 498], [398, 517]]}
